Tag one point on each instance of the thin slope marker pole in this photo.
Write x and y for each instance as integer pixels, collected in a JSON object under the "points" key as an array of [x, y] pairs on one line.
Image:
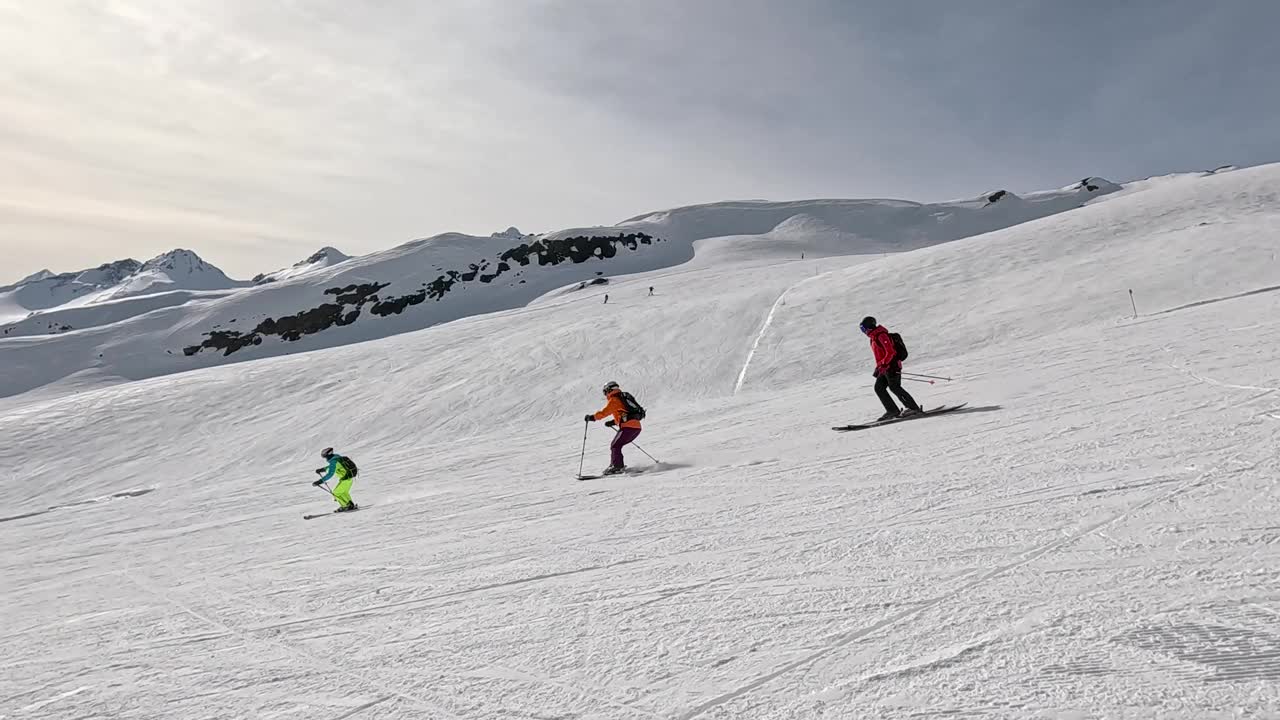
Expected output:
{"points": [[1134, 304]]}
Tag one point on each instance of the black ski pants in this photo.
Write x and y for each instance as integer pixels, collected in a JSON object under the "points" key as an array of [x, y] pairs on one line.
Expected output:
{"points": [[892, 380]]}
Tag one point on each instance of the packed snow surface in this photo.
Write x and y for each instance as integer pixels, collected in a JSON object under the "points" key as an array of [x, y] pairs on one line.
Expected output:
{"points": [[1095, 535]]}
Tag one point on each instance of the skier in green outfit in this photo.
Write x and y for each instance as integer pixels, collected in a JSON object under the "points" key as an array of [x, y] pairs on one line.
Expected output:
{"points": [[344, 469]]}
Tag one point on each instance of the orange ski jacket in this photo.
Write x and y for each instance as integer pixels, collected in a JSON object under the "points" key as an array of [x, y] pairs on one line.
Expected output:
{"points": [[618, 410]]}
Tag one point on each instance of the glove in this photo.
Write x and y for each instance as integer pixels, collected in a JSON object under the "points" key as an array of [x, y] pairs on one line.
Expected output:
{"points": [[319, 471], [318, 483], [610, 424], [876, 373], [590, 418]]}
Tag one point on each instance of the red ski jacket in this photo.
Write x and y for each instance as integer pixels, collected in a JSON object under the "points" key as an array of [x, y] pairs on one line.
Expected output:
{"points": [[882, 347]]}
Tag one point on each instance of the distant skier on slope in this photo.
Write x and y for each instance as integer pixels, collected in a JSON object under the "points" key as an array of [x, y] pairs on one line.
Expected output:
{"points": [[627, 415], [344, 469], [888, 372]]}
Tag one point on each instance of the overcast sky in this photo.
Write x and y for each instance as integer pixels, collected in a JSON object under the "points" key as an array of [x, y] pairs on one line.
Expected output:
{"points": [[255, 132]]}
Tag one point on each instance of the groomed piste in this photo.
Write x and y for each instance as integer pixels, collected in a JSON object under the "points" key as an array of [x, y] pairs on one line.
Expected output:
{"points": [[1094, 534]]}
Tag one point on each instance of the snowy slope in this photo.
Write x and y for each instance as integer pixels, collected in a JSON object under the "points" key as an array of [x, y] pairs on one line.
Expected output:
{"points": [[756, 229], [1095, 537], [1199, 247], [447, 277], [75, 316]]}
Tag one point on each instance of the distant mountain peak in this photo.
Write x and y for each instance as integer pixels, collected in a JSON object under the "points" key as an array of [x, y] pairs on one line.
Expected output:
{"points": [[126, 264], [36, 276], [331, 254], [324, 257], [1096, 184], [179, 260], [106, 274], [511, 232]]}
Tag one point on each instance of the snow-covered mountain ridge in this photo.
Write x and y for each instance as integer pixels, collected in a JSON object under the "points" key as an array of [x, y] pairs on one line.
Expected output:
{"points": [[177, 305], [46, 293]]}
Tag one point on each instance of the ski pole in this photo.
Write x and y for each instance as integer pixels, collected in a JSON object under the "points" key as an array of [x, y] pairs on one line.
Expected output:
{"points": [[585, 427], [933, 377], [922, 380], [654, 459]]}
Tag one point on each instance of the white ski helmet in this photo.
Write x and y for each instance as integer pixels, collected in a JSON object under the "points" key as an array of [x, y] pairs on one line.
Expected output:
{"points": [[610, 387], [326, 453]]}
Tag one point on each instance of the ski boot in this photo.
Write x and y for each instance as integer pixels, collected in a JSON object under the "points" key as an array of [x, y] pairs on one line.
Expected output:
{"points": [[614, 470], [908, 412]]}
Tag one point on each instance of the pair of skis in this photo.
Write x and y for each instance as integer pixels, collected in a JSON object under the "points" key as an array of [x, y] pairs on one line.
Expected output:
{"points": [[628, 471], [927, 413], [333, 512]]}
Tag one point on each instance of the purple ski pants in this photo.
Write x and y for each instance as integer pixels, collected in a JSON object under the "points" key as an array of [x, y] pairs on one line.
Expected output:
{"points": [[624, 436]]}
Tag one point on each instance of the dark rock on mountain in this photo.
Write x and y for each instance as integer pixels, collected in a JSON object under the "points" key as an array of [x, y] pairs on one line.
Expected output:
{"points": [[349, 301]]}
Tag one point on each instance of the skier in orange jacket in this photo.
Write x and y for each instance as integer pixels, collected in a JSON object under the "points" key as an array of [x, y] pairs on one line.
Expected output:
{"points": [[628, 426]]}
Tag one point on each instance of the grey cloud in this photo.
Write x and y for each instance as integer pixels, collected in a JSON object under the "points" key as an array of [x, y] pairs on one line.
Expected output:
{"points": [[363, 125]]}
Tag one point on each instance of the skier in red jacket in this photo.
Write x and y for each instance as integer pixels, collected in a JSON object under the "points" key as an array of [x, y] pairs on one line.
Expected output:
{"points": [[888, 372]]}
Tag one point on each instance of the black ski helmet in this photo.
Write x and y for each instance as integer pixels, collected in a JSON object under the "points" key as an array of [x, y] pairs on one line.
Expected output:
{"points": [[868, 323], [610, 387], [326, 453]]}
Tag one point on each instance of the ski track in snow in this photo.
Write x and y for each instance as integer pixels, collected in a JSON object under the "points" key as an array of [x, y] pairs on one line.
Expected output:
{"points": [[1210, 381], [764, 328], [1095, 536]]}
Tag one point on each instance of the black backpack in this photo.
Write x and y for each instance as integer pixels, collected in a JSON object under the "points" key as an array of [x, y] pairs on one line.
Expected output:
{"points": [[349, 465], [899, 347], [633, 409]]}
